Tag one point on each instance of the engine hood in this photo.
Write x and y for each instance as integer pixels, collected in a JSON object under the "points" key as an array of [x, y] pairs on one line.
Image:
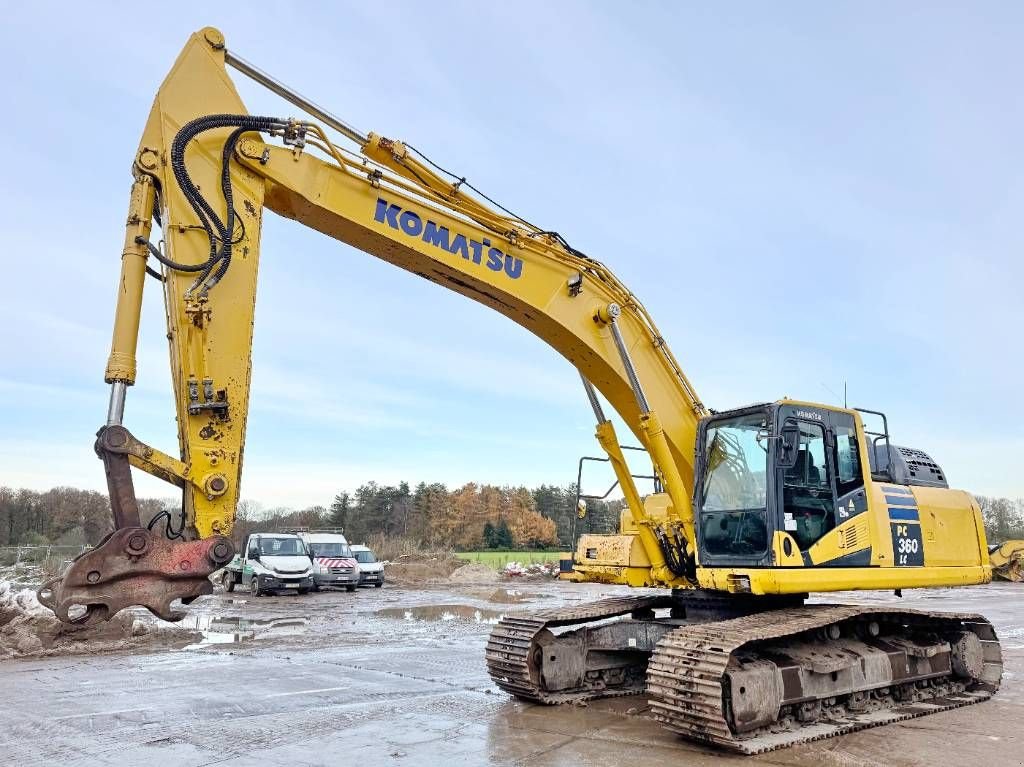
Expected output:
{"points": [[286, 565]]}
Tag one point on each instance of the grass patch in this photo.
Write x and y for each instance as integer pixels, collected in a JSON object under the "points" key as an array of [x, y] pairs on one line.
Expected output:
{"points": [[498, 559]]}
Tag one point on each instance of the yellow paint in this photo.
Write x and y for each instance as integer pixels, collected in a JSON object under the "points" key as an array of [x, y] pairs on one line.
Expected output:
{"points": [[121, 363], [1008, 561], [850, 537], [809, 579], [950, 522], [793, 559]]}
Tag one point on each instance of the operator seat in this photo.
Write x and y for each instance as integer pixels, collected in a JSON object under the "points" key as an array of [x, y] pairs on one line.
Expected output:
{"points": [[807, 500]]}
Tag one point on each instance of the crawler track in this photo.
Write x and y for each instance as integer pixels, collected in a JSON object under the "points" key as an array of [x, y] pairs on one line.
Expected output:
{"points": [[690, 673], [688, 682], [513, 646]]}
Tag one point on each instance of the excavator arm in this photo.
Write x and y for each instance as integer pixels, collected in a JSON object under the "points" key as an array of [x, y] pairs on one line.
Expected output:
{"points": [[204, 174], [1007, 560]]}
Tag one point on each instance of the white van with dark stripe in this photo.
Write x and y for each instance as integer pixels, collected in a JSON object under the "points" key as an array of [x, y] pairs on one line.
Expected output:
{"points": [[333, 563]]}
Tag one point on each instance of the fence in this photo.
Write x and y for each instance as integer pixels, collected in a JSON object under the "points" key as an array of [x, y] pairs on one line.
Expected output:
{"points": [[49, 559]]}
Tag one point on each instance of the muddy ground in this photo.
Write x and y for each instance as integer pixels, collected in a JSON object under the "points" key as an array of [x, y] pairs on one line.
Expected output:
{"points": [[396, 676]]}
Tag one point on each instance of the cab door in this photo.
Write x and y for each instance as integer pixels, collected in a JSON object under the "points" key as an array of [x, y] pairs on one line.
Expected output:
{"points": [[806, 494], [822, 497]]}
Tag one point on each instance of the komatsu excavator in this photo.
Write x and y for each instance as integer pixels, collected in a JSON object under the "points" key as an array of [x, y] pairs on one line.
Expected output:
{"points": [[754, 508]]}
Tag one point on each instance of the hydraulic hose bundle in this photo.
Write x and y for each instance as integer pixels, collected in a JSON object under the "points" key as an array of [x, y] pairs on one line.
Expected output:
{"points": [[221, 234]]}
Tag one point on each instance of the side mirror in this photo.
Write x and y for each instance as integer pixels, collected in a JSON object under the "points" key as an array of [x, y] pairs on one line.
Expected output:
{"points": [[789, 446], [581, 508], [254, 553]]}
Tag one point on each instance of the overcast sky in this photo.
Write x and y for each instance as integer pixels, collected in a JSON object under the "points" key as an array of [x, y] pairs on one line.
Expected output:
{"points": [[802, 194]]}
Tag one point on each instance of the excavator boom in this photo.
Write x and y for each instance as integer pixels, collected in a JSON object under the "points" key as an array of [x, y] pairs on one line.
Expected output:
{"points": [[205, 172]]}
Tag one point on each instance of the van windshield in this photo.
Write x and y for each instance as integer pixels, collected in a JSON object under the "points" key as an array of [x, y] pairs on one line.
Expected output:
{"points": [[332, 549], [282, 547], [366, 557]]}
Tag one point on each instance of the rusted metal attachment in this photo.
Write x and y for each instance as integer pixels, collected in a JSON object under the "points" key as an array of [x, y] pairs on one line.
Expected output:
{"points": [[112, 444], [134, 566]]}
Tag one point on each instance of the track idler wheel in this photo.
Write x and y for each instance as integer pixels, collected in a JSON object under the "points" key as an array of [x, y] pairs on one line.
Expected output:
{"points": [[967, 657]]}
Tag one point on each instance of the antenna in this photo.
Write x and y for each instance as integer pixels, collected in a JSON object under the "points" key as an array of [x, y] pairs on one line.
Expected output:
{"points": [[834, 393]]}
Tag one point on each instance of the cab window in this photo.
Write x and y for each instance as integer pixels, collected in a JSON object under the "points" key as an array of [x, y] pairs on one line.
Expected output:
{"points": [[848, 472], [732, 496], [809, 505]]}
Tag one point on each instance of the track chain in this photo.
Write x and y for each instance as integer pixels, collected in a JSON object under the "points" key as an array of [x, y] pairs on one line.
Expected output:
{"points": [[686, 672], [512, 644]]}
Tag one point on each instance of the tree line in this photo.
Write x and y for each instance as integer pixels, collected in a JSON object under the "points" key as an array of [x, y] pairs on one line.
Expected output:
{"points": [[468, 518], [471, 517], [1004, 519], [60, 515]]}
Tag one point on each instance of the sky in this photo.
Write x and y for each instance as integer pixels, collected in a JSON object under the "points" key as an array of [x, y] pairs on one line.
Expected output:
{"points": [[802, 194]]}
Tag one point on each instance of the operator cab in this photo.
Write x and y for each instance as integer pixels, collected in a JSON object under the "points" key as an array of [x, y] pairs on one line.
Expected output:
{"points": [[786, 466]]}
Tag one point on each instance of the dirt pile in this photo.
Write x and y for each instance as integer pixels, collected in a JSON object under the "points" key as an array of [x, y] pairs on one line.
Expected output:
{"points": [[474, 572], [412, 569], [29, 629]]}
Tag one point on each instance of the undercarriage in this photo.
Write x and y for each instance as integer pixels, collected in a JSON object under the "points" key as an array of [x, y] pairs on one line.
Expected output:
{"points": [[750, 674]]}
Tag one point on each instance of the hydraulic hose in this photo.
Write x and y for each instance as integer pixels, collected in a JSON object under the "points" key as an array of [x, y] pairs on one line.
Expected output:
{"points": [[220, 233]]}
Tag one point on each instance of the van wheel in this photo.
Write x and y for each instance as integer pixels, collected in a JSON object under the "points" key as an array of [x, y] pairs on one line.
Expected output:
{"points": [[350, 588], [227, 580], [377, 585], [254, 587], [303, 591]]}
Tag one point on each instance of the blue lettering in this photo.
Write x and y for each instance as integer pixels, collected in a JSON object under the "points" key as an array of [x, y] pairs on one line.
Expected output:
{"points": [[412, 224], [441, 237], [513, 267], [387, 213], [436, 235], [459, 246]]}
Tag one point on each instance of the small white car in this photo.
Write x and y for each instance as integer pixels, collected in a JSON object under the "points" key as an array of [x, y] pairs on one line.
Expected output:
{"points": [[333, 561], [371, 572]]}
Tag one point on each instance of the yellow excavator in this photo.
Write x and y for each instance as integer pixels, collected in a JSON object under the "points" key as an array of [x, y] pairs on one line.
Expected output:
{"points": [[754, 508], [1008, 561]]}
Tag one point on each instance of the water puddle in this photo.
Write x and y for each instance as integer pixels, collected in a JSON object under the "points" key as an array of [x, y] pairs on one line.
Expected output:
{"points": [[442, 613], [508, 597], [220, 629]]}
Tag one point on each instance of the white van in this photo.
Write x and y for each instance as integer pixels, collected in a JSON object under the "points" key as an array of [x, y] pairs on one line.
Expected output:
{"points": [[268, 563], [333, 562], [370, 570]]}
